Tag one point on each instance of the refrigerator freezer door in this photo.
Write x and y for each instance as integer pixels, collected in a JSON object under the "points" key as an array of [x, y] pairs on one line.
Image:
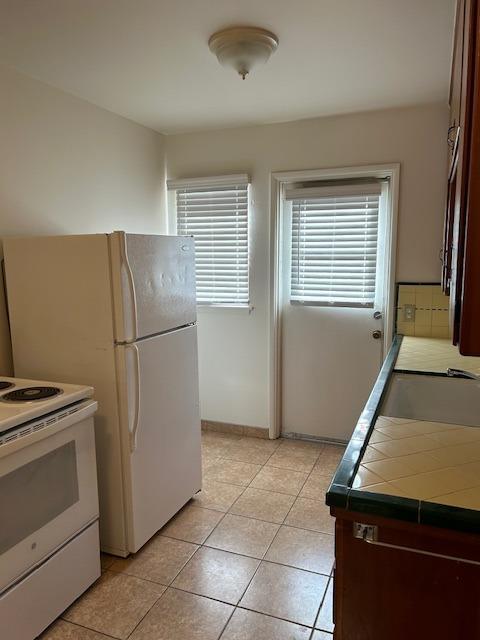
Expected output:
{"points": [[153, 284], [160, 429]]}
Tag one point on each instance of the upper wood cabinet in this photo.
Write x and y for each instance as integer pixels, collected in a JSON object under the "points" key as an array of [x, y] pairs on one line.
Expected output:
{"points": [[456, 70], [461, 250]]}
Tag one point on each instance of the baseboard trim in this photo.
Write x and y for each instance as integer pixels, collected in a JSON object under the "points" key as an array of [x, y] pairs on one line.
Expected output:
{"points": [[261, 432], [236, 429], [292, 435]]}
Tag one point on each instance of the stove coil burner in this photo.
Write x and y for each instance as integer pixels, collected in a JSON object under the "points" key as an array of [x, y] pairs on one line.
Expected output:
{"points": [[31, 393], [5, 385]]}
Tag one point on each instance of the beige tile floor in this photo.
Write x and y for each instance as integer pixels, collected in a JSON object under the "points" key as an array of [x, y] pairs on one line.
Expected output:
{"points": [[248, 558]]}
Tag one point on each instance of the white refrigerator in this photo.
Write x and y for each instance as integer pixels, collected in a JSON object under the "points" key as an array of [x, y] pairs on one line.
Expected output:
{"points": [[117, 312]]}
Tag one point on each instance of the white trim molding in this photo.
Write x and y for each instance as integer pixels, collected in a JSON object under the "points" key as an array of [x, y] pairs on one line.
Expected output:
{"points": [[279, 182]]}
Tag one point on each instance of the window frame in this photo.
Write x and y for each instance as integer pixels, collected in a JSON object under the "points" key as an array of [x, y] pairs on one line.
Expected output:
{"points": [[303, 194], [213, 182]]}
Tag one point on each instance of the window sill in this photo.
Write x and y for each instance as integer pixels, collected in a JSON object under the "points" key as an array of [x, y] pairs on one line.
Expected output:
{"points": [[322, 303], [209, 308]]}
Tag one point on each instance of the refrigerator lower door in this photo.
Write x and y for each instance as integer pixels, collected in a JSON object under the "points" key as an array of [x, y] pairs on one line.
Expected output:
{"points": [[153, 281], [160, 429]]}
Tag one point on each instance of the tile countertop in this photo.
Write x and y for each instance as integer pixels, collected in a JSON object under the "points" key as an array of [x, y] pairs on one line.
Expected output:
{"points": [[433, 355], [428, 461], [417, 471]]}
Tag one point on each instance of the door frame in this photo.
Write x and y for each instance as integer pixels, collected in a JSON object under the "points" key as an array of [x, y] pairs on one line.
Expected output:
{"points": [[279, 180]]}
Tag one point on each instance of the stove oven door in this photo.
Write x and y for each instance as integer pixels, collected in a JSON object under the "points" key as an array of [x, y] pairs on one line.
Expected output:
{"points": [[48, 488]]}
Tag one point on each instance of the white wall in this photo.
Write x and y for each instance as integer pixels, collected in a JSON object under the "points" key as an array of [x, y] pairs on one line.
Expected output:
{"points": [[67, 166], [234, 345]]}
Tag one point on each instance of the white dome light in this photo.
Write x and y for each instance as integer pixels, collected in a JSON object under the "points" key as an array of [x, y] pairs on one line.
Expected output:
{"points": [[243, 47]]}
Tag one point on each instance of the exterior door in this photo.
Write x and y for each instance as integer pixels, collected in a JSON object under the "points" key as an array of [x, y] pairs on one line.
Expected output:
{"points": [[330, 363], [333, 306], [161, 429]]}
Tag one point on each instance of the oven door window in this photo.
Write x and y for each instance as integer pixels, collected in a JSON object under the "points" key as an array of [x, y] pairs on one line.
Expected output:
{"points": [[36, 493]]}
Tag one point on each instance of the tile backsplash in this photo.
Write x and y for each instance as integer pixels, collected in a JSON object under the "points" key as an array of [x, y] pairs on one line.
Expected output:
{"points": [[422, 310]]}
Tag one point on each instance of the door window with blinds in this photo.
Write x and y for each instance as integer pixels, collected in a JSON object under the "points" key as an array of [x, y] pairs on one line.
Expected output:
{"points": [[216, 213], [335, 248]]}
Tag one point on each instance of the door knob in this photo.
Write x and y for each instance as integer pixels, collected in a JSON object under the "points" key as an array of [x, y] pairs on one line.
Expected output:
{"points": [[377, 334], [377, 315]]}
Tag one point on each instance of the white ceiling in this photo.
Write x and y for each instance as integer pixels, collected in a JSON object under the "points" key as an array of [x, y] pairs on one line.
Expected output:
{"points": [[148, 60]]}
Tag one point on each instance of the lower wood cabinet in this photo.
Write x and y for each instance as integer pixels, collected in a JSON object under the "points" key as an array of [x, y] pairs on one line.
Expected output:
{"points": [[419, 583]]}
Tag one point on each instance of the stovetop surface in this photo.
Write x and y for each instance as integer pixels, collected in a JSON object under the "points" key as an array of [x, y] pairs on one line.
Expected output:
{"points": [[22, 400]]}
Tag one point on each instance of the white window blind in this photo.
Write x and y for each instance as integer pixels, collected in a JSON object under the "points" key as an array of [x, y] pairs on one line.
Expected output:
{"points": [[217, 216], [334, 244]]}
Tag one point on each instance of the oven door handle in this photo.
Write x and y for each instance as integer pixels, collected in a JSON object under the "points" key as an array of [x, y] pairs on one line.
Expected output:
{"points": [[136, 419]]}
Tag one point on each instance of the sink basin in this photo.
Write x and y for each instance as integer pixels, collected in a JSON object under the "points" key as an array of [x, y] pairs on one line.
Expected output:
{"points": [[433, 398]]}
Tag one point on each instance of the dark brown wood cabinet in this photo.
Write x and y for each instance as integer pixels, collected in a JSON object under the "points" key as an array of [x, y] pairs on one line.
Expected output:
{"points": [[461, 250], [415, 582]]}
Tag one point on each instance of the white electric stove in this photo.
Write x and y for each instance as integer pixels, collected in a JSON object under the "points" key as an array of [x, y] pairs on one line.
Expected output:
{"points": [[49, 544]]}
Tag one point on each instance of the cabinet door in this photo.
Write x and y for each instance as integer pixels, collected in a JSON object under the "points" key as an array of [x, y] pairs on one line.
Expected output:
{"points": [[465, 301], [449, 228], [453, 141], [457, 64], [397, 591]]}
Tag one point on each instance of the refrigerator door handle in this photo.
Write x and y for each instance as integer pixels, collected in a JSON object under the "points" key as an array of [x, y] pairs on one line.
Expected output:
{"points": [[136, 419], [131, 287]]}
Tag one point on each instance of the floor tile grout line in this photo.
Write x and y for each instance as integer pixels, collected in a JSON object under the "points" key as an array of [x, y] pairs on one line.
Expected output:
{"points": [[269, 546], [135, 627], [271, 491], [146, 614], [229, 484], [176, 589], [267, 464], [270, 615], [226, 623], [243, 555], [293, 526], [202, 595], [76, 624], [259, 560], [269, 521], [265, 553], [256, 474], [295, 501], [257, 489], [225, 456], [312, 470], [263, 559], [245, 488], [199, 546], [250, 486], [322, 602], [234, 607]]}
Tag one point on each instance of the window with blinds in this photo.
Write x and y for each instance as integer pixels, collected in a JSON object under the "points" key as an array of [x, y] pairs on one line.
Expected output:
{"points": [[217, 217], [334, 245]]}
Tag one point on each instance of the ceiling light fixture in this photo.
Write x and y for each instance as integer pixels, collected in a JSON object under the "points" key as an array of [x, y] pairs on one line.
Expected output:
{"points": [[243, 47]]}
